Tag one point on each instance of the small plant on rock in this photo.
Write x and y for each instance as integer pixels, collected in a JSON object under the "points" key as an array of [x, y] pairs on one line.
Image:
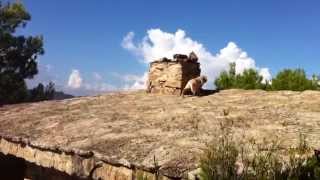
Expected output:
{"points": [[219, 160], [222, 158]]}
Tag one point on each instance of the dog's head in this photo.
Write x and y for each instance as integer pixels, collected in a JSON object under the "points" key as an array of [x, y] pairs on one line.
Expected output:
{"points": [[203, 79]]}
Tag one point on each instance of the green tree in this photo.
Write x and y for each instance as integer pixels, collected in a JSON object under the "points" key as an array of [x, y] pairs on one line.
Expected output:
{"points": [[41, 93], [18, 53], [37, 93], [293, 79], [249, 79], [226, 79], [12, 89], [49, 91]]}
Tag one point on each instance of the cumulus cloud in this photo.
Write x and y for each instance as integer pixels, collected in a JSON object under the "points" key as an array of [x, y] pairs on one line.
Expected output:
{"points": [[135, 82], [157, 44], [97, 84], [76, 83], [127, 42], [265, 73], [75, 79], [87, 85], [97, 76]]}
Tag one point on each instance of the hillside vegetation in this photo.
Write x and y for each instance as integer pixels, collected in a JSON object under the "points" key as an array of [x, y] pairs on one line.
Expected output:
{"points": [[287, 79]]}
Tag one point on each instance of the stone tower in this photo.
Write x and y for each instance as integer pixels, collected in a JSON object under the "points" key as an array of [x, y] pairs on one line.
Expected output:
{"points": [[169, 76]]}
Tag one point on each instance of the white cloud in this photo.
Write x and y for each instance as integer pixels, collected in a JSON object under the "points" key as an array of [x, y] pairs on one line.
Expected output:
{"points": [[97, 76], [127, 41], [75, 80], [157, 44], [131, 81], [135, 82], [87, 85], [265, 73], [75, 83], [97, 84]]}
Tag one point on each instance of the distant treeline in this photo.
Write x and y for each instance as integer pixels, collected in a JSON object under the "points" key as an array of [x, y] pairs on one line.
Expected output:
{"points": [[287, 79], [22, 94]]}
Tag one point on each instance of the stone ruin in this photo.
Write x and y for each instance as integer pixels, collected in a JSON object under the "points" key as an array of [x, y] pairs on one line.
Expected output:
{"points": [[169, 76]]}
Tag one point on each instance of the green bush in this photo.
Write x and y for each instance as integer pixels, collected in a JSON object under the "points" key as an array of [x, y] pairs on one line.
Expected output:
{"points": [[288, 79], [293, 79], [249, 79], [220, 161], [224, 81]]}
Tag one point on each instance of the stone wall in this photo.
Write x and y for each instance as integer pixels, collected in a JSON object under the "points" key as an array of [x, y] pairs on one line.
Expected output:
{"points": [[168, 76], [20, 161]]}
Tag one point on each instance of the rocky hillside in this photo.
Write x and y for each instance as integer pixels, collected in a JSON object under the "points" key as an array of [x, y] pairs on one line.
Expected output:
{"points": [[132, 129]]}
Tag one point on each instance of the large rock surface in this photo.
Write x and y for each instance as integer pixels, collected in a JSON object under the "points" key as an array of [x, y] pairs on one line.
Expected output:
{"points": [[133, 128]]}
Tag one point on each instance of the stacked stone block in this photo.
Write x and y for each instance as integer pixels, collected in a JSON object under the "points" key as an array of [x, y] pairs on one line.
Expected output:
{"points": [[168, 76]]}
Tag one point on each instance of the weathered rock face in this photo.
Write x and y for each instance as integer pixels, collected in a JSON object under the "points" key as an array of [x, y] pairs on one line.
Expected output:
{"points": [[169, 77], [120, 135]]}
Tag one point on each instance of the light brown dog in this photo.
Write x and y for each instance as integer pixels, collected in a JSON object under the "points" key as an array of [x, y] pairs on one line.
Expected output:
{"points": [[194, 85]]}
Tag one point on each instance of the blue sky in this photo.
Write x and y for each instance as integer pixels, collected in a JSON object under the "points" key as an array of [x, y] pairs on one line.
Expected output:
{"points": [[87, 36]]}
